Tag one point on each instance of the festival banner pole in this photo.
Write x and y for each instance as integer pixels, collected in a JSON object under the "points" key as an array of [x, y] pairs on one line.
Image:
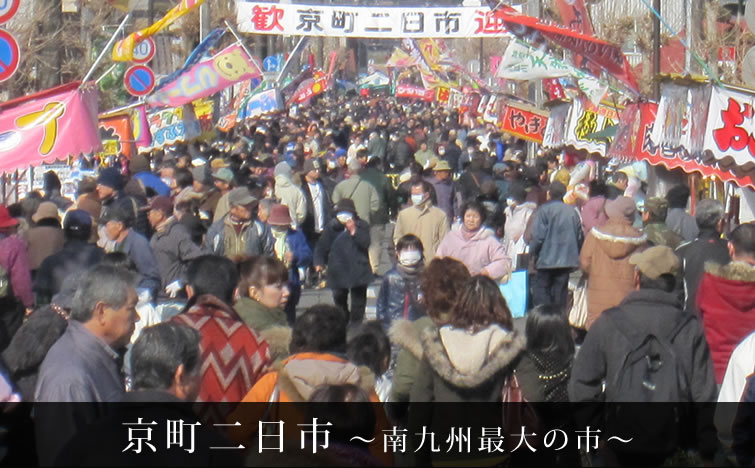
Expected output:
{"points": [[106, 49]]}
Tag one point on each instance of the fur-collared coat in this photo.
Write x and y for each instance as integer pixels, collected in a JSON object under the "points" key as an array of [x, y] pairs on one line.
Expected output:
{"points": [[462, 366], [726, 300], [605, 258]]}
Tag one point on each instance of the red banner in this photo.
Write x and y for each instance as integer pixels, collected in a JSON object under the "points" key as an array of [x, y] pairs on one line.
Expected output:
{"points": [[415, 92], [608, 56], [116, 135], [574, 16], [528, 124], [633, 140]]}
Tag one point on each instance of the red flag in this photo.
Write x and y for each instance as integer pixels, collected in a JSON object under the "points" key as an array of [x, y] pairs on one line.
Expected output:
{"points": [[606, 55]]}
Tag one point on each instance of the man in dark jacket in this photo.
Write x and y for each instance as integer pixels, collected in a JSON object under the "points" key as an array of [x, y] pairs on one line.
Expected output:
{"points": [[343, 247], [173, 248], [118, 229], [110, 190], [708, 247], [165, 363], [78, 255], [653, 309], [556, 239], [319, 205], [83, 366]]}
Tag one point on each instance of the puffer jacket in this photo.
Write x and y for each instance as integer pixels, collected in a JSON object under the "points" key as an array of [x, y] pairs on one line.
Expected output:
{"points": [[293, 197], [726, 300], [270, 323], [398, 297], [605, 259], [482, 252], [294, 380]]}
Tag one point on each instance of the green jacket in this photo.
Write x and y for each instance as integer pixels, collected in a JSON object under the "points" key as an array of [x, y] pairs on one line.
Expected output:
{"points": [[385, 192], [405, 336], [269, 323], [660, 234]]}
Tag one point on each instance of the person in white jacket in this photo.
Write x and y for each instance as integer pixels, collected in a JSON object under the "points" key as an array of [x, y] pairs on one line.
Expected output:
{"points": [[289, 194], [741, 365]]}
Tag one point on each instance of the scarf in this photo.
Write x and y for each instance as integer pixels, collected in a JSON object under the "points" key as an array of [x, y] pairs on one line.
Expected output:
{"points": [[410, 272], [467, 234], [281, 247]]}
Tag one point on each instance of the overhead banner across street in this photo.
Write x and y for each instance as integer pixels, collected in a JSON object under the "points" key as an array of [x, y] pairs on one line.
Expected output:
{"points": [[368, 21]]}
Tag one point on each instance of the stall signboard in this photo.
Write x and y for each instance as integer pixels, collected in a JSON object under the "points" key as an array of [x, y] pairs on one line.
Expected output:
{"points": [[523, 122], [586, 119]]}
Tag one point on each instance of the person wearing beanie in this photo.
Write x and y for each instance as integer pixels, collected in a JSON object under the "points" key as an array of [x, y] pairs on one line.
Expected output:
{"points": [[556, 238], [46, 237], [110, 190], [605, 257], [52, 188], [289, 194], [139, 169], [76, 256]]}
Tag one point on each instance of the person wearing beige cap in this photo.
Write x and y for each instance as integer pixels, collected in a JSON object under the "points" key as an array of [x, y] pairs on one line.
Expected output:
{"points": [[46, 237], [605, 257], [649, 329], [223, 178]]}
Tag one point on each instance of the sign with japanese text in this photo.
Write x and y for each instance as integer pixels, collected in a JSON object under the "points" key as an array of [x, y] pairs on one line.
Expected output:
{"points": [[309, 88], [116, 135], [522, 62], [227, 67], [414, 92], [204, 112], [730, 135], [367, 21], [586, 119], [173, 125], [524, 122], [634, 139], [48, 126], [260, 103]]}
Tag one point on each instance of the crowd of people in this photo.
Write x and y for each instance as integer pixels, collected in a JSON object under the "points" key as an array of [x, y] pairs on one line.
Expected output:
{"points": [[177, 276]]}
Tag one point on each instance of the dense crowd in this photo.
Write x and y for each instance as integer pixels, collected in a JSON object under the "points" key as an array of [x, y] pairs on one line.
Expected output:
{"points": [[177, 275]]}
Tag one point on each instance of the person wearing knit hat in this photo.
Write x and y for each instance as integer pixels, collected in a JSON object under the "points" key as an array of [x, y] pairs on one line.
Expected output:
{"points": [[605, 257], [289, 194], [109, 183], [76, 256], [654, 219]]}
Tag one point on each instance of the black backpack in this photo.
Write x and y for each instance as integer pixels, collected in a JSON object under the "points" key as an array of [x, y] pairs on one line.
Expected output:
{"points": [[650, 372]]}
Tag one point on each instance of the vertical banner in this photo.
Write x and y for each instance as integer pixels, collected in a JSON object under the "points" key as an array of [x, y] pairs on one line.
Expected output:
{"points": [[140, 127], [555, 131]]}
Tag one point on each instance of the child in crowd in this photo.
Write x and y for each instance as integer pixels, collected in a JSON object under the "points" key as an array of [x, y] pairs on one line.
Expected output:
{"points": [[400, 295]]}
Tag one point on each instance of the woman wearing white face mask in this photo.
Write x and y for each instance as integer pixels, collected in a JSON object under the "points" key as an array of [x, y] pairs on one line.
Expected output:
{"points": [[343, 248], [399, 296], [518, 214]]}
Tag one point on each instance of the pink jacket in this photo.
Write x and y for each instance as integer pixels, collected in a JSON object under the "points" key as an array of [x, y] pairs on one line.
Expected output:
{"points": [[593, 214], [482, 252]]}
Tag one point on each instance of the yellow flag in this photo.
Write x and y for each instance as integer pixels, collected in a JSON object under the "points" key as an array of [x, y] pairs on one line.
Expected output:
{"points": [[123, 50]]}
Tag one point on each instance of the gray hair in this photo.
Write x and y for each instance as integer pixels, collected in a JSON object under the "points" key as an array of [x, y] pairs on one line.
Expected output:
{"points": [[158, 352], [708, 213], [103, 283]]}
